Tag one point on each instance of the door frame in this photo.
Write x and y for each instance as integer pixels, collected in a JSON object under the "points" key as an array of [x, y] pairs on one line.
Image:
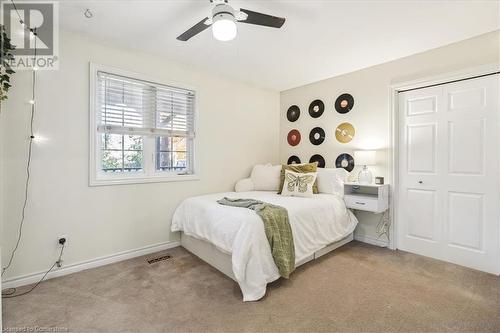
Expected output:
{"points": [[394, 122]]}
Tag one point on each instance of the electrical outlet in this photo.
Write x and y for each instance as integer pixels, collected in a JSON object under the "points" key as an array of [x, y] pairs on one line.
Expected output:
{"points": [[62, 240]]}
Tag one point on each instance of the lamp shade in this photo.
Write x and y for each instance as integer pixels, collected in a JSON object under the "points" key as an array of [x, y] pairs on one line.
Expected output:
{"points": [[365, 157]]}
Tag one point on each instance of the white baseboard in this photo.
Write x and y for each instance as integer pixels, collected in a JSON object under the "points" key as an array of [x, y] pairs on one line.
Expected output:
{"points": [[97, 262], [371, 240]]}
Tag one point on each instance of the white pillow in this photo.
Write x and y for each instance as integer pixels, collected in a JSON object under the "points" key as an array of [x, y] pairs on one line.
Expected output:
{"points": [[266, 177], [244, 185], [332, 181], [298, 184]]}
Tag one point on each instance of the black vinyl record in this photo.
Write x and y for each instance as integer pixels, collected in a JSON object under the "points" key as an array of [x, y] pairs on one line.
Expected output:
{"points": [[293, 113], [317, 136], [316, 108], [345, 161], [318, 158], [344, 103], [293, 160]]}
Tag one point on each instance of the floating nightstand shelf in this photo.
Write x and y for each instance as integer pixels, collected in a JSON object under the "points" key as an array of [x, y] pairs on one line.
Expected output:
{"points": [[367, 197]]}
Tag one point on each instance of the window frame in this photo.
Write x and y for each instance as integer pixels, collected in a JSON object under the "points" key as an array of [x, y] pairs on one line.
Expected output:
{"points": [[149, 173]]}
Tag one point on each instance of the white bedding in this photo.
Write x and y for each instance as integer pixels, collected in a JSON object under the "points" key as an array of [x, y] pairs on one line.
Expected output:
{"points": [[315, 222]]}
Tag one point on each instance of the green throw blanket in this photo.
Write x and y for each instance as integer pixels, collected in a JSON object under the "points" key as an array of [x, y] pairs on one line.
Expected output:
{"points": [[278, 231]]}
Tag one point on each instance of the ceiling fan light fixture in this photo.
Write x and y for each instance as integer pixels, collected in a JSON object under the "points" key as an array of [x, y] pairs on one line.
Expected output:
{"points": [[224, 27], [223, 21]]}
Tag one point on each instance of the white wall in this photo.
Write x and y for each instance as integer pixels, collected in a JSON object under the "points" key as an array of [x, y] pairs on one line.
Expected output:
{"points": [[370, 115], [238, 127]]}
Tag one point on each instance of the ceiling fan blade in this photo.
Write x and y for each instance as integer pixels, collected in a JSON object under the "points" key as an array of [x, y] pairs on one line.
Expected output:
{"points": [[262, 19], [194, 30]]}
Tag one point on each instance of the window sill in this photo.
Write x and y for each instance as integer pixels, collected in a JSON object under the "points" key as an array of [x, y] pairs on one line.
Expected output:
{"points": [[142, 180]]}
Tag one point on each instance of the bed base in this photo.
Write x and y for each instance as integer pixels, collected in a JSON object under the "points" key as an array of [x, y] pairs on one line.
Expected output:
{"points": [[222, 260]]}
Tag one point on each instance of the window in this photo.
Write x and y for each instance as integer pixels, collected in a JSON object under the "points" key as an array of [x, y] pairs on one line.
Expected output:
{"points": [[140, 131]]}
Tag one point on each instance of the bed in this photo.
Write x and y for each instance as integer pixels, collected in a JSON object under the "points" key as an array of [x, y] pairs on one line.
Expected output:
{"points": [[233, 239]]}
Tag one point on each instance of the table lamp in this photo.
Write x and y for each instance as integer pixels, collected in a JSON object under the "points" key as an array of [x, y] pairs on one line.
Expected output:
{"points": [[365, 158]]}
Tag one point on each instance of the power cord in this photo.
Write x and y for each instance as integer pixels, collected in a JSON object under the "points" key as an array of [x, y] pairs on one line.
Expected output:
{"points": [[26, 187], [11, 293], [28, 163]]}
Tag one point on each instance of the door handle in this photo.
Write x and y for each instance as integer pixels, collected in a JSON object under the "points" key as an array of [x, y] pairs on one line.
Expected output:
{"points": [[420, 182], [360, 203]]}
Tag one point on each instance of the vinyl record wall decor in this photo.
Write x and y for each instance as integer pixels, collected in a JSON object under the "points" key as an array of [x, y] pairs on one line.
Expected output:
{"points": [[293, 113], [317, 136], [318, 158], [293, 160], [345, 132], [316, 108], [293, 137], [344, 103], [345, 161]]}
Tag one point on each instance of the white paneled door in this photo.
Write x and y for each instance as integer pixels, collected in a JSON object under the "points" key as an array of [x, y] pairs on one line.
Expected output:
{"points": [[449, 170]]}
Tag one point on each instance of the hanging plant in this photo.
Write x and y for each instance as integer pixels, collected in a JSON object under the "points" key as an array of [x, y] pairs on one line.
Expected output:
{"points": [[5, 69]]}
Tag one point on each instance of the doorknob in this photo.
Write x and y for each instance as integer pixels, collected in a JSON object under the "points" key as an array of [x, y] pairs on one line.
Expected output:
{"points": [[420, 182]]}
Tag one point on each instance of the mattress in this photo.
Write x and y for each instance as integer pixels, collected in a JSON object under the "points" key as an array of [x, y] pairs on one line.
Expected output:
{"points": [[315, 222]]}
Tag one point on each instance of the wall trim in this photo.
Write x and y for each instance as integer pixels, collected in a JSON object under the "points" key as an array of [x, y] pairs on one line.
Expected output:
{"points": [[465, 73], [88, 264]]}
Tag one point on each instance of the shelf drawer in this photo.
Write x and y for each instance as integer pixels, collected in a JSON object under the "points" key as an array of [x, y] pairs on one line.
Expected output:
{"points": [[362, 203]]}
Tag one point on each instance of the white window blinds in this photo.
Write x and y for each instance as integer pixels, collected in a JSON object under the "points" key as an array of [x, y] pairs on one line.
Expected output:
{"points": [[134, 107]]}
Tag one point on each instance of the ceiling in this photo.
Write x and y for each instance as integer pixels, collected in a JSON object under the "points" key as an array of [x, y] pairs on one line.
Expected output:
{"points": [[320, 39]]}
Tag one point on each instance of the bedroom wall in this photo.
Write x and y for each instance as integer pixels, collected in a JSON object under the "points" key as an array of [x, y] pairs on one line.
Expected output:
{"points": [[237, 128], [370, 115]]}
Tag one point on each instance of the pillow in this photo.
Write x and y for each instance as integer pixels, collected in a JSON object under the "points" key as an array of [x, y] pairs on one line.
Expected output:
{"points": [[298, 184], [266, 177], [309, 167], [244, 185], [332, 181]]}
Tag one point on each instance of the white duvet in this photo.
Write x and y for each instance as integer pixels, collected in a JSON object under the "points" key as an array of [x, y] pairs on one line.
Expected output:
{"points": [[315, 222]]}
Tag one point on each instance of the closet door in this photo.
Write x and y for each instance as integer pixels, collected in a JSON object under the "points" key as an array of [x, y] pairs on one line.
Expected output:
{"points": [[449, 173]]}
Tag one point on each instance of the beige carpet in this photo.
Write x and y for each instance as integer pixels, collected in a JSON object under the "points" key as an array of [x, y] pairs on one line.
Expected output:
{"points": [[358, 288]]}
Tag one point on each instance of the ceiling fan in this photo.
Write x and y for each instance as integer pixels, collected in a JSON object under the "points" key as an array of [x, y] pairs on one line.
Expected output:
{"points": [[224, 18]]}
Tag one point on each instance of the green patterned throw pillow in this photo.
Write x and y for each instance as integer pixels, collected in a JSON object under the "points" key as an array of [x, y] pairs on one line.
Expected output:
{"points": [[301, 168], [298, 184]]}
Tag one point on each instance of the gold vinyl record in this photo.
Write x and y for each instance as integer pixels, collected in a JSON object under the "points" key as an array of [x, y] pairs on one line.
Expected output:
{"points": [[345, 132]]}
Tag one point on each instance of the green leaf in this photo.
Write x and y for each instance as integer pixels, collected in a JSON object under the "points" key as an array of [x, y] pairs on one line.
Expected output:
{"points": [[5, 56]]}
